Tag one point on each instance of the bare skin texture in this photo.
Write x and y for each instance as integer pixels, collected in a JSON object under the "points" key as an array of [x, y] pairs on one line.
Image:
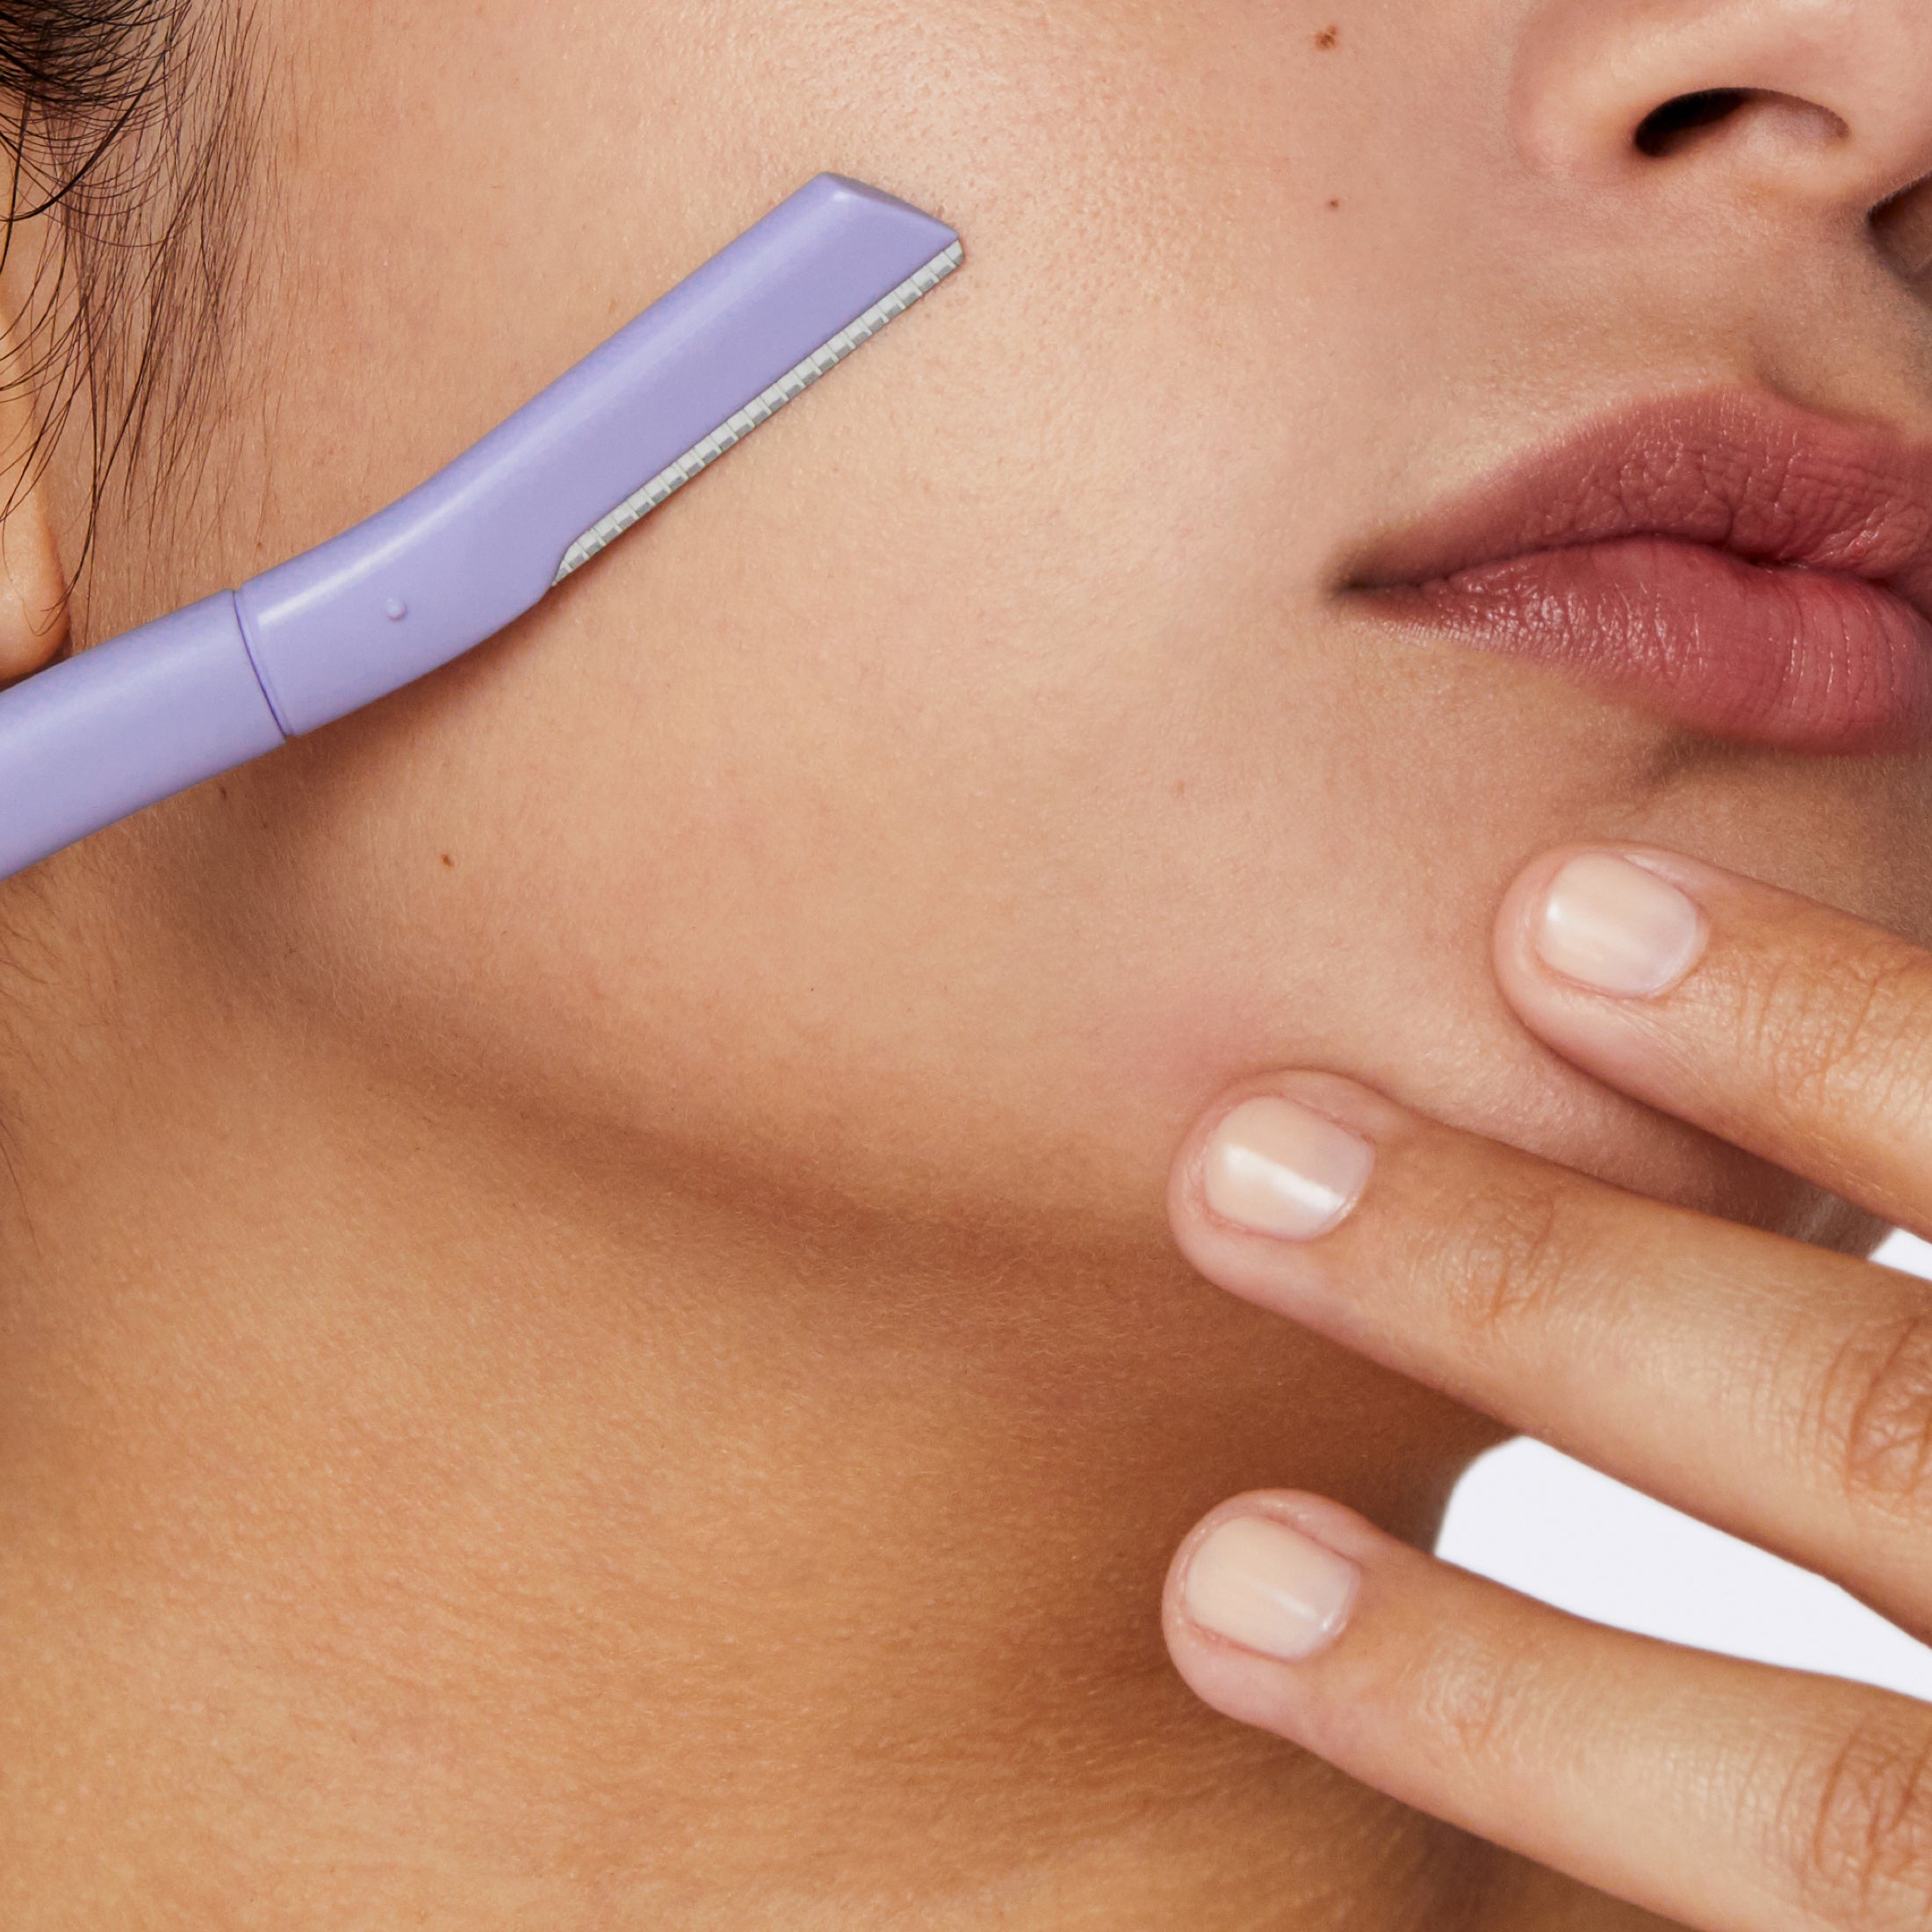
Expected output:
{"points": [[589, 1330]]}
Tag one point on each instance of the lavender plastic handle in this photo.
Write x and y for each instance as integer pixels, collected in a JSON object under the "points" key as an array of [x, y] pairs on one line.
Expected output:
{"points": [[123, 725], [178, 701]]}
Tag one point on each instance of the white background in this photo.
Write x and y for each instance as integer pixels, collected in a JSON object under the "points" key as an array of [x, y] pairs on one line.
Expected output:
{"points": [[1542, 1523]]}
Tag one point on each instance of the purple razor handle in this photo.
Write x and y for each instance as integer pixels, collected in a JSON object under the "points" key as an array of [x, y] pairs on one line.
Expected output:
{"points": [[148, 714]]}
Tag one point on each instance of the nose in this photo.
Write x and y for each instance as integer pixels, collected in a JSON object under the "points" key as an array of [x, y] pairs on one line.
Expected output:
{"points": [[1808, 105]]}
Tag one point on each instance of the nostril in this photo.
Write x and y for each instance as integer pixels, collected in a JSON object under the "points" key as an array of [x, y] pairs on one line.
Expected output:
{"points": [[1678, 122], [1902, 227]]}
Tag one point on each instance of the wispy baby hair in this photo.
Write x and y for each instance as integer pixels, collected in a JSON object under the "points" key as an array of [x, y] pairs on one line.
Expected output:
{"points": [[129, 131]]}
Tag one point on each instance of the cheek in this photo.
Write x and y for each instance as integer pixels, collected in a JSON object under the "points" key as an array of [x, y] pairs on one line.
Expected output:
{"points": [[894, 904], [875, 776], [946, 779], [949, 846], [954, 787], [908, 807]]}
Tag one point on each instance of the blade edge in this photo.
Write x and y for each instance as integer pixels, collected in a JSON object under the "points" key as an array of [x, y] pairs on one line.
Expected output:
{"points": [[794, 383]]}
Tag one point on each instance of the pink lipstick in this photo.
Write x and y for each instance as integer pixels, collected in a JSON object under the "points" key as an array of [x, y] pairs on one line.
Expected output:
{"points": [[1732, 563]]}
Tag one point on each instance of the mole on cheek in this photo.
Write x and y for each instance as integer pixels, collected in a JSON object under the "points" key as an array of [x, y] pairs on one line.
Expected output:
{"points": [[1329, 39]]}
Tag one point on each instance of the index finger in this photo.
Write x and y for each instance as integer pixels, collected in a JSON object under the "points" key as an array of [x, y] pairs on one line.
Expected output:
{"points": [[1789, 1028]]}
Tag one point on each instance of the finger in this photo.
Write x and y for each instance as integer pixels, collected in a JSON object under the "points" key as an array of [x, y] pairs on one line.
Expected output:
{"points": [[1779, 1389], [1725, 1796], [1778, 1024]]}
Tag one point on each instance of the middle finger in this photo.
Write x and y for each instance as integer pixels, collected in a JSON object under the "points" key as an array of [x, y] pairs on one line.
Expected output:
{"points": [[1780, 1390]]}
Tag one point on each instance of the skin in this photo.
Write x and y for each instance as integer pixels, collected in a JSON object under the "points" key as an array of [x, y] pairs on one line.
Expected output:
{"points": [[591, 1329]]}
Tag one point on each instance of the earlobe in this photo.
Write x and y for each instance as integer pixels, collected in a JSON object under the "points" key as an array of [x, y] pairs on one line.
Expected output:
{"points": [[33, 586], [33, 612]]}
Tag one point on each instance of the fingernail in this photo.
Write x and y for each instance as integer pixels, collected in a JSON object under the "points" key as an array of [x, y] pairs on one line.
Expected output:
{"points": [[1617, 927], [1280, 1169], [1267, 1588]]}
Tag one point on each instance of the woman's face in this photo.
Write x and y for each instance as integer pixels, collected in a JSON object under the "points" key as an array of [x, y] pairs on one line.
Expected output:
{"points": [[931, 806]]}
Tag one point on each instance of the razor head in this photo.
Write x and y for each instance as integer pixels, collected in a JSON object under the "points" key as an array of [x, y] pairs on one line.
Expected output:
{"points": [[487, 538], [762, 407]]}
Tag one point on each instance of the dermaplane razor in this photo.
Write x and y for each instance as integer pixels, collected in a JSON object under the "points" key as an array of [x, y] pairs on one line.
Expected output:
{"points": [[136, 719]]}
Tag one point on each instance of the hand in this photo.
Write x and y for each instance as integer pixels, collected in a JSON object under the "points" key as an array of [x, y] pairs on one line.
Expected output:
{"points": [[1779, 1390]]}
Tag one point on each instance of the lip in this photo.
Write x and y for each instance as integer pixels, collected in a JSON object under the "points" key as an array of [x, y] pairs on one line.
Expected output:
{"points": [[1727, 560]]}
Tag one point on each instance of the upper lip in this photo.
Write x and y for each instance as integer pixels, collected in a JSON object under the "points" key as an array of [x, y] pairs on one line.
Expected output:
{"points": [[1747, 474]]}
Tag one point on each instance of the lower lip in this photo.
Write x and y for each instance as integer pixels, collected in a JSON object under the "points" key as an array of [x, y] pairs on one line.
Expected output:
{"points": [[1805, 660]]}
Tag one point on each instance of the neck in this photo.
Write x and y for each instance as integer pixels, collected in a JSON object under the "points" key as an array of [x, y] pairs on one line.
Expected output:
{"points": [[405, 1506]]}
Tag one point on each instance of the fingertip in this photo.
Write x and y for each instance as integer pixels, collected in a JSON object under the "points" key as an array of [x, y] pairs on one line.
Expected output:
{"points": [[1261, 1588], [1599, 932], [1324, 1543], [1518, 967], [1359, 1110]]}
